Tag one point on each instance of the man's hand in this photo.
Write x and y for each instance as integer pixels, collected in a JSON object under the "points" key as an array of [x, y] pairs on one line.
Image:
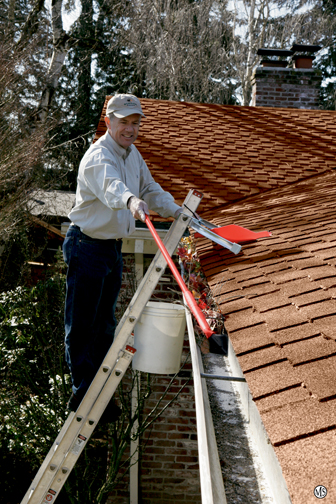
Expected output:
{"points": [[138, 208]]}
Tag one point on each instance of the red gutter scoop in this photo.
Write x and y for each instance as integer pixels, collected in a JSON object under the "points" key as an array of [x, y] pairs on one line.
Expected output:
{"points": [[238, 234]]}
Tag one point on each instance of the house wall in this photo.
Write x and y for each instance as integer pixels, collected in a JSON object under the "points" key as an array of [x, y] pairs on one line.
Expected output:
{"points": [[168, 470], [286, 87]]}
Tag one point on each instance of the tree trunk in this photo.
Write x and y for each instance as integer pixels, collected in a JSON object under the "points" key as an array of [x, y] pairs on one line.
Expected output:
{"points": [[84, 61], [60, 42]]}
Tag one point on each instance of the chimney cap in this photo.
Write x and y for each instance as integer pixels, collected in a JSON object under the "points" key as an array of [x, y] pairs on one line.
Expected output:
{"points": [[274, 52], [305, 48]]}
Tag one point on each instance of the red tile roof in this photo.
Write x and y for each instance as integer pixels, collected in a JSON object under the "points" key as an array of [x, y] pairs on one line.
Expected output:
{"points": [[267, 169]]}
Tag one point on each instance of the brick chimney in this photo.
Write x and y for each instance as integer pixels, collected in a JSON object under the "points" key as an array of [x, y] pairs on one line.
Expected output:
{"points": [[283, 83]]}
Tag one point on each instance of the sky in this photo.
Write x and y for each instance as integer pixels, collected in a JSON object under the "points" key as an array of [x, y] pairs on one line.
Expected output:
{"points": [[68, 17]]}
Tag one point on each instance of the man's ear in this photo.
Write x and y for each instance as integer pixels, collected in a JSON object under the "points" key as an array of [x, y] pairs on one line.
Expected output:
{"points": [[107, 122]]}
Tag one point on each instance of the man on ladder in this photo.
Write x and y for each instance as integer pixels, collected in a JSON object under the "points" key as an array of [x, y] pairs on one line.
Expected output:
{"points": [[114, 187]]}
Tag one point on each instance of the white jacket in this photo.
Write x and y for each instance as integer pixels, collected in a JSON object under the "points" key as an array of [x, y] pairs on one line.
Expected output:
{"points": [[108, 176]]}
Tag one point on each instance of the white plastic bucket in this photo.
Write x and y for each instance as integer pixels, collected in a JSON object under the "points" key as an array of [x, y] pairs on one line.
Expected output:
{"points": [[158, 338]]}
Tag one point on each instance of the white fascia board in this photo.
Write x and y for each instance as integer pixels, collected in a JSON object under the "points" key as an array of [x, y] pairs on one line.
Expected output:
{"points": [[131, 243], [140, 234]]}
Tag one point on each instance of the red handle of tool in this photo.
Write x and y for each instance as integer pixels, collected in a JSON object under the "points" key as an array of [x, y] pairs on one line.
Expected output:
{"points": [[191, 302]]}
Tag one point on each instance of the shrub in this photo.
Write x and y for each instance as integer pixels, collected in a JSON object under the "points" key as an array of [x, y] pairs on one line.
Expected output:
{"points": [[35, 381]]}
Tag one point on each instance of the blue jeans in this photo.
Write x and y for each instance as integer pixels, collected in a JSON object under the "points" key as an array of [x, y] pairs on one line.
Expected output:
{"points": [[93, 284]]}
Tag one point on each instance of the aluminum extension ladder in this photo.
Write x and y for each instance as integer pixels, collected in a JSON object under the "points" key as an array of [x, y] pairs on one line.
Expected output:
{"points": [[79, 425]]}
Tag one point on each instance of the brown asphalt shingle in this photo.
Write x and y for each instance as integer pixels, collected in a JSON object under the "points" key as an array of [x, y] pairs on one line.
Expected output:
{"points": [[230, 152], [267, 169], [294, 303], [304, 463], [307, 418]]}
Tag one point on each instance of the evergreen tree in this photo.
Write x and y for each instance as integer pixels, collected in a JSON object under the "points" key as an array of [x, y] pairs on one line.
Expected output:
{"points": [[327, 62], [98, 63]]}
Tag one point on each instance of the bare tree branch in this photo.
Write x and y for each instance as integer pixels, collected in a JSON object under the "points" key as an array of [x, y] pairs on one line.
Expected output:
{"points": [[32, 23]]}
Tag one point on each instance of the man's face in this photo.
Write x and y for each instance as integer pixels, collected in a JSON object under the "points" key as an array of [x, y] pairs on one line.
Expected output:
{"points": [[124, 130]]}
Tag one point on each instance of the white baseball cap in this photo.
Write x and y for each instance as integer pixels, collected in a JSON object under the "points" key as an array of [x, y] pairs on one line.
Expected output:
{"points": [[123, 105]]}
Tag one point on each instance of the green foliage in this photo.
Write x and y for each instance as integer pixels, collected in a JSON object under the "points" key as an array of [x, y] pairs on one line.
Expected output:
{"points": [[12, 260], [35, 385], [328, 91], [34, 391], [26, 242]]}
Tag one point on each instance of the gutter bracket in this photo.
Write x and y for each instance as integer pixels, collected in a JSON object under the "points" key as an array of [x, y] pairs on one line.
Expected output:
{"points": [[221, 377]]}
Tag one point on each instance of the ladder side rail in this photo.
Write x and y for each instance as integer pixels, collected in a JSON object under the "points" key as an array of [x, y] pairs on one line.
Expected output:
{"points": [[133, 312], [54, 459], [157, 266], [48, 457], [125, 327], [79, 443], [149, 282]]}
